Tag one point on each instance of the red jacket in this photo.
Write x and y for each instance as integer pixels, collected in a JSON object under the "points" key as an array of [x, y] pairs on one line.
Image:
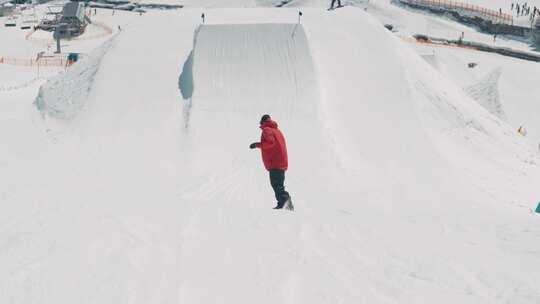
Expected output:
{"points": [[273, 147]]}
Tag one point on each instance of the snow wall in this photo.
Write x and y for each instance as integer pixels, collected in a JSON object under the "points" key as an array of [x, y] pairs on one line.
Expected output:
{"points": [[65, 95]]}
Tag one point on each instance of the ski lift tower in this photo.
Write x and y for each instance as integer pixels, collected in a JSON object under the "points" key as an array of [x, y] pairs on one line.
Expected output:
{"points": [[60, 32]]}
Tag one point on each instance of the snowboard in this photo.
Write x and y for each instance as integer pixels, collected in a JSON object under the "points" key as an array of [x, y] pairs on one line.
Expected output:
{"points": [[288, 205]]}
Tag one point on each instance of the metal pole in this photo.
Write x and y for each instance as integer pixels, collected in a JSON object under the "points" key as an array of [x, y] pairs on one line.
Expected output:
{"points": [[58, 51]]}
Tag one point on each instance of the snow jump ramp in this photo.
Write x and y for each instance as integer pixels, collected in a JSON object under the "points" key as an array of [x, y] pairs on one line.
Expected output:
{"points": [[255, 67], [242, 71]]}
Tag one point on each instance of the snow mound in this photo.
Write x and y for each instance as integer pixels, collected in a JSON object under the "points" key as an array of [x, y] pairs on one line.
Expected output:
{"points": [[63, 96]]}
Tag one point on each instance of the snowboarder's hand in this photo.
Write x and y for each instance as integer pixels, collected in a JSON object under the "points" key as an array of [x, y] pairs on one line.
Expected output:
{"points": [[253, 145]]}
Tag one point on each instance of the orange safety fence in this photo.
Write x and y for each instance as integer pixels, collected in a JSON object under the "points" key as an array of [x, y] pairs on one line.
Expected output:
{"points": [[431, 43], [106, 30], [490, 14], [41, 62]]}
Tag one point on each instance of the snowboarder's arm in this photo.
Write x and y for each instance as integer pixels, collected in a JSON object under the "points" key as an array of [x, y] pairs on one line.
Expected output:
{"points": [[254, 145]]}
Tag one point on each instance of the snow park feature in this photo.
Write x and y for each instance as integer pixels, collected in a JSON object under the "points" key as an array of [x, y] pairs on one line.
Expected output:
{"points": [[127, 178], [63, 96]]}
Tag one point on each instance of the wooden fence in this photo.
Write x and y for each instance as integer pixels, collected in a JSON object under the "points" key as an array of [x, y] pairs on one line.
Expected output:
{"points": [[485, 13]]}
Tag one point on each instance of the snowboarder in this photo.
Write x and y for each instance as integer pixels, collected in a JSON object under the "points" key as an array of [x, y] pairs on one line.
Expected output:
{"points": [[274, 155], [333, 2]]}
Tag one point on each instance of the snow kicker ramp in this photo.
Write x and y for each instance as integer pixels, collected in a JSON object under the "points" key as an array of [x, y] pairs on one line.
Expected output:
{"points": [[241, 72], [258, 67]]}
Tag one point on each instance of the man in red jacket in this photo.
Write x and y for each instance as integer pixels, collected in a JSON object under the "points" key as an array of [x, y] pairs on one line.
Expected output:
{"points": [[274, 155]]}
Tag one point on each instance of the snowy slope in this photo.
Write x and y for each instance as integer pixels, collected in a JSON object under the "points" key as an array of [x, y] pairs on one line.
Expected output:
{"points": [[515, 94], [406, 190]]}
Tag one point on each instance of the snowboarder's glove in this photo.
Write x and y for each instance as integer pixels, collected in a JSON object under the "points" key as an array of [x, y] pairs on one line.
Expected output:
{"points": [[253, 145]]}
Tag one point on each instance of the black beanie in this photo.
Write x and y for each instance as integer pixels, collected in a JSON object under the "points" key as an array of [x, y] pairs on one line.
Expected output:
{"points": [[264, 118]]}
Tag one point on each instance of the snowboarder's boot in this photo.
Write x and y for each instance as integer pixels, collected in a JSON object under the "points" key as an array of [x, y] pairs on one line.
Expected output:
{"points": [[285, 205], [279, 205]]}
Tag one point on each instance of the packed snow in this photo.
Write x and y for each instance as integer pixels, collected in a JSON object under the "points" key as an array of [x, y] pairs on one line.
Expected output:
{"points": [[127, 177]]}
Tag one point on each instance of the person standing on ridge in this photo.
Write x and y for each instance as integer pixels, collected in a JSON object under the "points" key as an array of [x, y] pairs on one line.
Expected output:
{"points": [[333, 2], [274, 155]]}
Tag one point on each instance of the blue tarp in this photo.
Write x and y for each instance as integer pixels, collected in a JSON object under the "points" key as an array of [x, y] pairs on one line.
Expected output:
{"points": [[73, 57]]}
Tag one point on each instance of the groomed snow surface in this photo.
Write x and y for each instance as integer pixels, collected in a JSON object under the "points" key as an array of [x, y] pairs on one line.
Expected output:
{"points": [[406, 190]]}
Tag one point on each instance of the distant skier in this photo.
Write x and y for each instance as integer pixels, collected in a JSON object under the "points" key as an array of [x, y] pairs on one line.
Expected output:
{"points": [[334, 2], [522, 131], [274, 155]]}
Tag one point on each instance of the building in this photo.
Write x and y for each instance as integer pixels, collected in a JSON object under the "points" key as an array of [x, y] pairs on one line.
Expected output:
{"points": [[6, 8], [74, 19]]}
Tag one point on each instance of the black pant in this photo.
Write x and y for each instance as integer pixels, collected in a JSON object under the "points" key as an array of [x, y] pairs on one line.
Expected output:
{"points": [[334, 1], [277, 177]]}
